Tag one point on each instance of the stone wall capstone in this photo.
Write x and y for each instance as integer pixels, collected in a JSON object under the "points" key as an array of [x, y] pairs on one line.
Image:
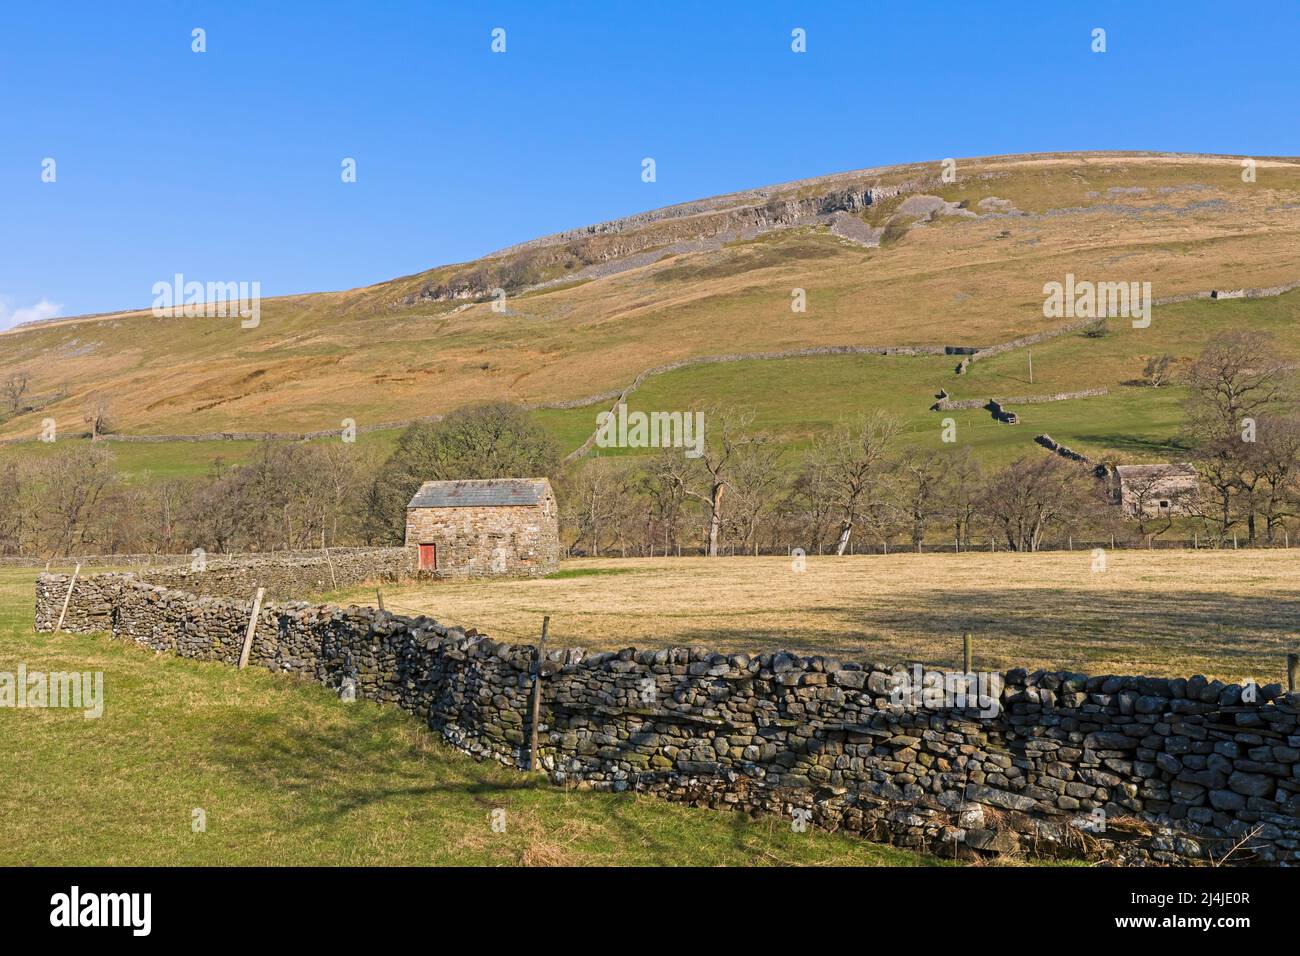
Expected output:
{"points": [[1175, 769]]}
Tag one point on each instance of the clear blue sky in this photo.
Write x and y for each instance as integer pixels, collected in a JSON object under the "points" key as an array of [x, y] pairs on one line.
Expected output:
{"points": [[225, 165]]}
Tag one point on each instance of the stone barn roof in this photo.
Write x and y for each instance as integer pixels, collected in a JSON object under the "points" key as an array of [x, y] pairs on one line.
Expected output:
{"points": [[481, 493], [1138, 472]]}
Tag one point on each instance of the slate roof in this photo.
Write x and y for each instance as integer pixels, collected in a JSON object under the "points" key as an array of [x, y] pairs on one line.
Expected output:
{"points": [[481, 493], [1180, 470]]}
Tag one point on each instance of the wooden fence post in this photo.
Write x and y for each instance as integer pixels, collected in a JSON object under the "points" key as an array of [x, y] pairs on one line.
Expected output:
{"points": [[252, 629], [379, 596], [533, 762], [67, 599], [1292, 664], [967, 652]]}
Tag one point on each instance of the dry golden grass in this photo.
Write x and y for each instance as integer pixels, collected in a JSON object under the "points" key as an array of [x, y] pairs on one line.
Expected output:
{"points": [[1226, 614]]}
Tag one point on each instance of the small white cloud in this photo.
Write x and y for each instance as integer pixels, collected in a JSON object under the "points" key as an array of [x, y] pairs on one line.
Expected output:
{"points": [[9, 317]]}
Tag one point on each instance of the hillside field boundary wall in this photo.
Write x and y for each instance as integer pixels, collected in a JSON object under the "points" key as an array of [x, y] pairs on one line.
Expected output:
{"points": [[1133, 769]]}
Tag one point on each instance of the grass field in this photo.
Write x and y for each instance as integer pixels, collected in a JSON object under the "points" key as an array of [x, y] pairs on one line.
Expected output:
{"points": [[1226, 614], [287, 775]]}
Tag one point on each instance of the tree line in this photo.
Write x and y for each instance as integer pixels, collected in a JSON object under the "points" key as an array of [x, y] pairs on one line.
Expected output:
{"points": [[859, 483]]}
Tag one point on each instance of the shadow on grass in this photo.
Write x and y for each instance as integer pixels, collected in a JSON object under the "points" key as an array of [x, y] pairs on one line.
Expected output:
{"points": [[1134, 444], [334, 772], [342, 768], [1070, 628]]}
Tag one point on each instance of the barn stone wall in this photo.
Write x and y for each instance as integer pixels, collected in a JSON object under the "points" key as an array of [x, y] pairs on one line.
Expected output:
{"points": [[489, 541], [1175, 770]]}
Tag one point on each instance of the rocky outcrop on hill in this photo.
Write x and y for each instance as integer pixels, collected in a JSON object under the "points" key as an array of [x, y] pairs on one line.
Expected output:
{"points": [[567, 255]]}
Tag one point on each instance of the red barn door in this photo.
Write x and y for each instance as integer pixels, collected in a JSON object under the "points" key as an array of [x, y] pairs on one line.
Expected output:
{"points": [[428, 557]]}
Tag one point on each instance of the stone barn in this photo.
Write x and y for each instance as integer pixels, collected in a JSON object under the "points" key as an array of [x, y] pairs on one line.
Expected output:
{"points": [[1156, 489], [485, 528]]}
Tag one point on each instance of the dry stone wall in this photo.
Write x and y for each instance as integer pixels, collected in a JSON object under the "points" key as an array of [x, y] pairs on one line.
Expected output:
{"points": [[1175, 770], [947, 404], [287, 574]]}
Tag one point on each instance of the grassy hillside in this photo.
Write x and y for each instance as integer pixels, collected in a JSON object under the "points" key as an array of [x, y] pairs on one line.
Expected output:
{"points": [[383, 353], [796, 398]]}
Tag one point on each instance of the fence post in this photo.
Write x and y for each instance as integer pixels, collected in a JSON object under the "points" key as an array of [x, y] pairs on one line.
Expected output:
{"points": [[67, 598], [252, 629], [537, 694], [1292, 663], [379, 595], [967, 653]]}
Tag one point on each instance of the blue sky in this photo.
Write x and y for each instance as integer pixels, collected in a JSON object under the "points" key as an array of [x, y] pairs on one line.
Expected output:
{"points": [[225, 165]]}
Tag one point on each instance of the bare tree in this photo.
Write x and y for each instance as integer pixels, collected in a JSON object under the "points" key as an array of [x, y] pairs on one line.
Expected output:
{"points": [[704, 479], [1219, 464], [1034, 494], [1238, 382], [78, 478], [13, 389], [964, 495], [1239, 375], [589, 504], [97, 413], [754, 484], [922, 497], [810, 504], [1275, 495], [854, 459], [665, 501], [1158, 370]]}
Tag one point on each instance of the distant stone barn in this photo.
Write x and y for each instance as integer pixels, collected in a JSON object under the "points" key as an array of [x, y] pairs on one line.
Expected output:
{"points": [[485, 528], [1157, 489]]}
